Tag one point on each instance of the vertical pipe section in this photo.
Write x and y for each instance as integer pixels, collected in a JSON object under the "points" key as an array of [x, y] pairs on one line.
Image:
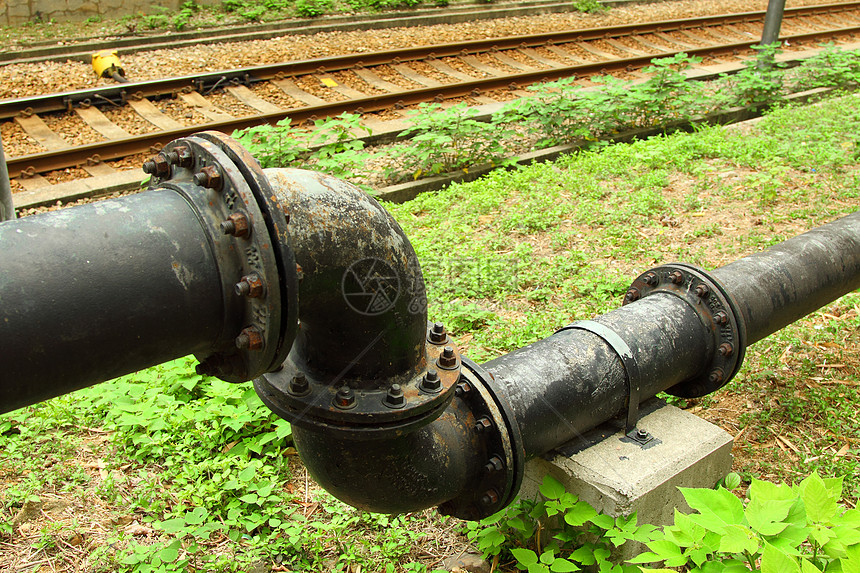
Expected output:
{"points": [[791, 279], [7, 209], [94, 292]]}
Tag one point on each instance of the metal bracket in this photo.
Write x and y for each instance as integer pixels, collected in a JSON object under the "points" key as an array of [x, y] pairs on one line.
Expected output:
{"points": [[630, 367]]}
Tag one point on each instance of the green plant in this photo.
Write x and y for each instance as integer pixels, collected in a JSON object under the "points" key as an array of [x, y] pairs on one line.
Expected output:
{"points": [[761, 80], [312, 8], [557, 534], [183, 17], [781, 529], [443, 140], [589, 6]]}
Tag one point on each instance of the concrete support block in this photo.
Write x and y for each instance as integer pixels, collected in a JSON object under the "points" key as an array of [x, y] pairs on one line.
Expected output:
{"points": [[618, 475]]}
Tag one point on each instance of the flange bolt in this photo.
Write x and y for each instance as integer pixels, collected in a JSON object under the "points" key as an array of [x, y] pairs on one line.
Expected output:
{"points": [[448, 359], [651, 279], [641, 434], [438, 334], [483, 424], [209, 177], [236, 225], [431, 382], [702, 291], [158, 166], [249, 339], [180, 155], [345, 398], [632, 295], [716, 376], [490, 497], [494, 465], [299, 385], [720, 317], [395, 397], [677, 277], [726, 349], [251, 285]]}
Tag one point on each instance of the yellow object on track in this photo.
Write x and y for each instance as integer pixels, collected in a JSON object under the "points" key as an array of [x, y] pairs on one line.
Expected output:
{"points": [[106, 64]]}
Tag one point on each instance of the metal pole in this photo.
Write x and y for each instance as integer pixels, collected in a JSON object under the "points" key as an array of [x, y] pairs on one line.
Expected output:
{"points": [[7, 210], [772, 22]]}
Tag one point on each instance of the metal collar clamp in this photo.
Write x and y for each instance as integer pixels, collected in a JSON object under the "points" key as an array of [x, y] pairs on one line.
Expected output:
{"points": [[631, 368], [718, 311]]}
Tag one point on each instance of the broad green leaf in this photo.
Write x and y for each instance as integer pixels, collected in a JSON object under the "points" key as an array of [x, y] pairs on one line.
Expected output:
{"points": [[547, 557], [524, 557], [721, 503], [171, 552], [249, 498], [563, 566], [551, 488], [196, 516], [775, 561], [174, 525], [247, 474], [819, 501], [738, 539], [767, 491], [602, 521], [807, 567], [767, 515], [579, 514]]}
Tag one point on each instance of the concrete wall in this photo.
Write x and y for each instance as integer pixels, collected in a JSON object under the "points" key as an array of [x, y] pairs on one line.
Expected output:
{"points": [[18, 12]]}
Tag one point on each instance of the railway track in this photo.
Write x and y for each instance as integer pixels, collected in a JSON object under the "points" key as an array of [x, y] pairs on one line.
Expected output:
{"points": [[380, 81]]}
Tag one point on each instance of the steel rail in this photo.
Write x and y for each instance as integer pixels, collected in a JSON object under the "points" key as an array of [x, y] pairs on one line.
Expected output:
{"points": [[168, 86], [114, 149], [149, 142]]}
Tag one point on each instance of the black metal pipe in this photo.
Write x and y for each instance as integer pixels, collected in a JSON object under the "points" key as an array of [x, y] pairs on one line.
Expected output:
{"points": [[91, 293], [7, 209], [792, 279], [387, 414]]}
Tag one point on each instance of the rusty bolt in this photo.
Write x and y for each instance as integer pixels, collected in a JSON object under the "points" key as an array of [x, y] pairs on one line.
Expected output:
{"points": [[716, 376], [632, 295], [237, 224], [251, 285], [702, 291], [250, 339], [437, 333], [490, 497], [431, 382], [494, 465], [180, 155], [461, 389], [677, 277], [158, 166], [651, 279], [345, 398], [395, 397], [483, 423], [726, 349], [299, 385], [448, 359], [720, 317], [209, 177]]}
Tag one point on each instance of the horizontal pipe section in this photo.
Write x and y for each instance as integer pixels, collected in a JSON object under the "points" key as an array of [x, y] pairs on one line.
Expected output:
{"points": [[794, 278], [568, 383], [98, 291]]}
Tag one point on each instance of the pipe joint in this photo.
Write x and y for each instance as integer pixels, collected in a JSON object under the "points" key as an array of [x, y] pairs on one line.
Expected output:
{"points": [[247, 231], [718, 312]]}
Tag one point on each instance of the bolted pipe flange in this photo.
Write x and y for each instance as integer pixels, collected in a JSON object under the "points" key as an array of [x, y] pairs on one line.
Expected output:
{"points": [[382, 409], [498, 480], [248, 236], [719, 313]]}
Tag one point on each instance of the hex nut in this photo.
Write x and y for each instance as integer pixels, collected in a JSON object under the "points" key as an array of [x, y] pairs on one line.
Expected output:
{"points": [[250, 339], [448, 359], [726, 349], [395, 397], [720, 317], [431, 382], [702, 291], [345, 398], [490, 497], [632, 295], [676, 277], [483, 424], [299, 385], [438, 334], [209, 177], [237, 225], [495, 464], [251, 286]]}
